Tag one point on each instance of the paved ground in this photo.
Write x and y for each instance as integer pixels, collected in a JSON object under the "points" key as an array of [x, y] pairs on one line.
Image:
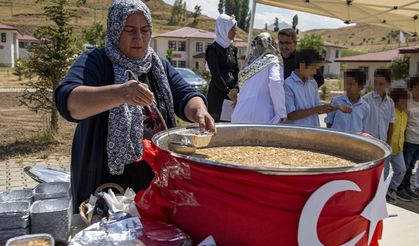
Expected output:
{"points": [[13, 176]]}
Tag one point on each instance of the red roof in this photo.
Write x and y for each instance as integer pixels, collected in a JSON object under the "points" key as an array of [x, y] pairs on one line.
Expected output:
{"points": [[383, 56], [27, 38], [6, 27], [409, 50], [190, 32], [330, 44], [199, 55]]}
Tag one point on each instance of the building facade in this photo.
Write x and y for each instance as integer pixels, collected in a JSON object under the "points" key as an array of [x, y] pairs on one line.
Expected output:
{"points": [[188, 46], [9, 49]]}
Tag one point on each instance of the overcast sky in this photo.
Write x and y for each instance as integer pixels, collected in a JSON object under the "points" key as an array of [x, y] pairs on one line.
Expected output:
{"points": [[267, 14]]}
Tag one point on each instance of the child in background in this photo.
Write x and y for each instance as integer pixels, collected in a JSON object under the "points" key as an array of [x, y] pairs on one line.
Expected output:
{"points": [[379, 122], [399, 97], [302, 99], [411, 145], [352, 117]]}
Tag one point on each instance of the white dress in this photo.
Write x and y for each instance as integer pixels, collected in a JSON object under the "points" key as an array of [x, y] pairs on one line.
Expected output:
{"points": [[262, 98]]}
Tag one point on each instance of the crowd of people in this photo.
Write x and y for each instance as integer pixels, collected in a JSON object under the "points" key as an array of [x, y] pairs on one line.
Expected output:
{"points": [[276, 85], [279, 85]]}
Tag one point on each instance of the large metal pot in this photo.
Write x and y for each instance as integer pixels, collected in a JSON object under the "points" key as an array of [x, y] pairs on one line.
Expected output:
{"points": [[242, 205], [364, 151]]}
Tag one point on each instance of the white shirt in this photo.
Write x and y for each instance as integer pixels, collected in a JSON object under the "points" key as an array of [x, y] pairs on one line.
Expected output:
{"points": [[262, 98], [412, 131], [381, 115]]}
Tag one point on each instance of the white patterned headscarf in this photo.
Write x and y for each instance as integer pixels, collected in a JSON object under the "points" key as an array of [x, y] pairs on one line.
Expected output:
{"points": [[223, 25], [125, 125], [263, 52]]}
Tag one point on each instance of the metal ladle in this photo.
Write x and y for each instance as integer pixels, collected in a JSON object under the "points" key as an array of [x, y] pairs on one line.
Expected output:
{"points": [[182, 146]]}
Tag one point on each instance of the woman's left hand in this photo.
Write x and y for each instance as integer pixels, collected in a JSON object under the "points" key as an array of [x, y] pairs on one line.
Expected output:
{"points": [[196, 111]]}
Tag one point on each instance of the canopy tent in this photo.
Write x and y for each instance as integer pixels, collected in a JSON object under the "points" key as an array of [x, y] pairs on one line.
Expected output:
{"points": [[395, 14]]}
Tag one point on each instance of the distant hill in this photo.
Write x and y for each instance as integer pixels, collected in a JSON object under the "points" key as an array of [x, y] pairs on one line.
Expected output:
{"points": [[27, 15], [362, 37]]}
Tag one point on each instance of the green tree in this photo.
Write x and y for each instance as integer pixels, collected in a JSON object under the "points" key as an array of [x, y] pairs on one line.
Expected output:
{"points": [[19, 70], [400, 68], [169, 55], [95, 35], [50, 58], [221, 6], [178, 12], [295, 23], [244, 14], [276, 24], [314, 42], [197, 12]]}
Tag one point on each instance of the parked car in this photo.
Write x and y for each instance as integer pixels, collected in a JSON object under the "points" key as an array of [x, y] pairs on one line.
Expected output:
{"points": [[192, 78]]}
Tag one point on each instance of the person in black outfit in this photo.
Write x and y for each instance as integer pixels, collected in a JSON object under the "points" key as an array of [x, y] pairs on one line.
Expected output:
{"points": [[112, 108], [287, 43], [221, 57]]}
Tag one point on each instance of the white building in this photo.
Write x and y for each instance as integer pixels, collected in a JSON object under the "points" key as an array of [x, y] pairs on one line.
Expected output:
{"points": [[13, 45], [413, 53], [189, 45], [370, 62], [333, 52], [9, 49], [24, 42]]}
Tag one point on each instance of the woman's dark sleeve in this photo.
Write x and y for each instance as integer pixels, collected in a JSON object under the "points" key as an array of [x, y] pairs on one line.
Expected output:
{"points": [[216, 78], [182, 91], [236, 69], [85, 71]]}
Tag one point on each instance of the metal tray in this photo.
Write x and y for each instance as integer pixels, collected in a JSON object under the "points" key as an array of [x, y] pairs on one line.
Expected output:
{"points": [[26, 239], [14, 215], [16, 195], [52, 216], [51, 190], [7, 234]]}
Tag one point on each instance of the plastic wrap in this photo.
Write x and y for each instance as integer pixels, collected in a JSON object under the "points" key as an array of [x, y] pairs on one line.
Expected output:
{"points": [[131, 231], [52, 216], [16, 195], [14, 215], [51, 190]]}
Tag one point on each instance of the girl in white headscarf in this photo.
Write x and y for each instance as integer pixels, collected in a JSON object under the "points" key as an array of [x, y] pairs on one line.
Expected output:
{"points": [[221, 57], [262, 96]]}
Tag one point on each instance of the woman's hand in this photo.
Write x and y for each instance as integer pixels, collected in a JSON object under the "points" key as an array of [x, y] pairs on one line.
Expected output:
{"points": [[196, 111], [134, 93], [233, 95]]}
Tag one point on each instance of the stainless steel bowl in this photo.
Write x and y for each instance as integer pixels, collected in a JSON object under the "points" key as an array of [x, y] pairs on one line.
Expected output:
{"points": [[364, 151]]}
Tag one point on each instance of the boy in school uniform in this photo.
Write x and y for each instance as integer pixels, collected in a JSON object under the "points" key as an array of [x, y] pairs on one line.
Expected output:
{"points": [[379, 122], [352, 119], [399, 97], [302, 99], [411, 145]]}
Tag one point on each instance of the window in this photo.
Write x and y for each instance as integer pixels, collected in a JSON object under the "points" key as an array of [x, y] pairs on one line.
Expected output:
{"points": [[173, 63], [172, 45], [337, 54], [22, 45], [3, 37], [197, 65], [181, 63], [199, 46], [181, 46]]}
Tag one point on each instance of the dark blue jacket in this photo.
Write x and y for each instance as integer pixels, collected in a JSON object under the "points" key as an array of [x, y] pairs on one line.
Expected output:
{"points": [[89, 167]]}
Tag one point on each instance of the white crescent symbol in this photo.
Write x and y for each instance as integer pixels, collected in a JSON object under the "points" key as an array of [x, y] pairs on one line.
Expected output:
{"points": [[307, 226]]}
